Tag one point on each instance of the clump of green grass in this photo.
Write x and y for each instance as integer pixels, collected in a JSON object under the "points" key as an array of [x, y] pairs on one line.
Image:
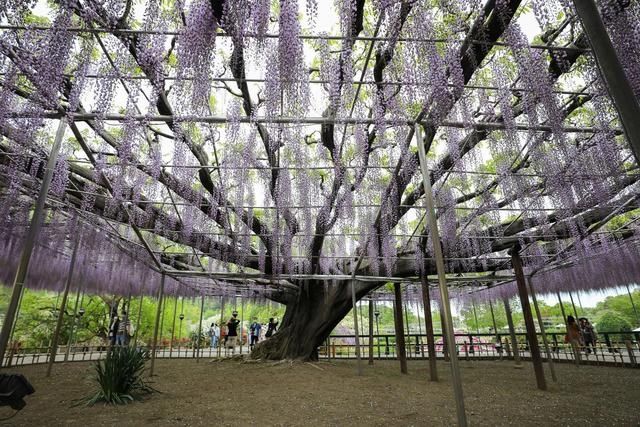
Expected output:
{"points": [[119, 377]]}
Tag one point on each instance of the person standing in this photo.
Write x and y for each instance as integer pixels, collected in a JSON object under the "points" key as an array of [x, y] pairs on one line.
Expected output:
{"points": [[255, 329], [232, 332], [573, 337], [124, 327], [271, 327], [214, 333], [114, 326], [588, 334]]}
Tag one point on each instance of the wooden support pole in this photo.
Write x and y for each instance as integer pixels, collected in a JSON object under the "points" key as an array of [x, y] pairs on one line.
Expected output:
{"points": [[63, 306], [542, 331], [401, 350], [512, 333], [370, 331], [157, 324], [428, 322], [611, 69], [30, 241], [442, 279], [534, 349]]}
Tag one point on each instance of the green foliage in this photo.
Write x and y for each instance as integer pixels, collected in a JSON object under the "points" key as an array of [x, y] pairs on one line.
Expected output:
{"points": [[39, 311], [619, 221], [620, 305], [612, 321], [119, 377], [616, 311]]}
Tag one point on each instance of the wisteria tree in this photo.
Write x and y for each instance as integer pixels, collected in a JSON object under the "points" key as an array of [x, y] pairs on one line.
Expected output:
{"points": [[241, 141]]}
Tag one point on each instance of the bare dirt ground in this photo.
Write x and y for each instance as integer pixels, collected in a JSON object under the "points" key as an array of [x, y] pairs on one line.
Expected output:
{"points": [[330, 393]]}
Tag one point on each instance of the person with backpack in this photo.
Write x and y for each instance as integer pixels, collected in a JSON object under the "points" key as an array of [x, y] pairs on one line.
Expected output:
{"points": [[271, 327], [114, 326], [255, 329], [232, 332]]}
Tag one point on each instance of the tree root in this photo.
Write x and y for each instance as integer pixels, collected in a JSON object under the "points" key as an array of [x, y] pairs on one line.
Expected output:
{"points": [[315, 366]]}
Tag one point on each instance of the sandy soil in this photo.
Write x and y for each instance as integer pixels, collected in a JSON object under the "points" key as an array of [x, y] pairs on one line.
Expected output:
{"points": [[330, 393]]}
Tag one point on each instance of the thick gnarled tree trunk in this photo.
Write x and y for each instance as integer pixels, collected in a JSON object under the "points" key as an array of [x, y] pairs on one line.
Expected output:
{"points": [[309, 319]]}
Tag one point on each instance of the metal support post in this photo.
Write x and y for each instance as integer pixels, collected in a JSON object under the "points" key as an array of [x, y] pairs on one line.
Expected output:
{"points": [[542, 331], [534, 349], [220, 326], [157, 324], [401, 350], [573, 304], [137, 332], [408, 330], [63, 305], [512, 333], [442, 281], [611, 69], [419, 346], [200, 330], [635, 311], [428, 323], [495, 330], [163, 314], [376, 313], [564, 314], [370, 331], [241, 322], [173, 326], [355, 325], [30, 241], [475, 316], [75, 320]]}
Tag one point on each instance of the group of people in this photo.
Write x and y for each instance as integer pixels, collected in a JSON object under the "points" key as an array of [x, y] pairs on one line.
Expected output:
{"points": [[121, 331], [581, 334], [228, 335]]}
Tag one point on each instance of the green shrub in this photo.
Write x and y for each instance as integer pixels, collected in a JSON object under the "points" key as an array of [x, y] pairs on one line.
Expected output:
{"points": [[119, 377], [611, 321]]}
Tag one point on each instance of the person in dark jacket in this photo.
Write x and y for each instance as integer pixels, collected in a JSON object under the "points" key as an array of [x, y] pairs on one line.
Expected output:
{"points": [[255, 329], [113, 329], [232, 332], [271, 327]]}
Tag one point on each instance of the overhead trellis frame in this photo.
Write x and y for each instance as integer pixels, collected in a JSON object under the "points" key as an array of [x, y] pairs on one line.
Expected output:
{"points": [[501, 135]]}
